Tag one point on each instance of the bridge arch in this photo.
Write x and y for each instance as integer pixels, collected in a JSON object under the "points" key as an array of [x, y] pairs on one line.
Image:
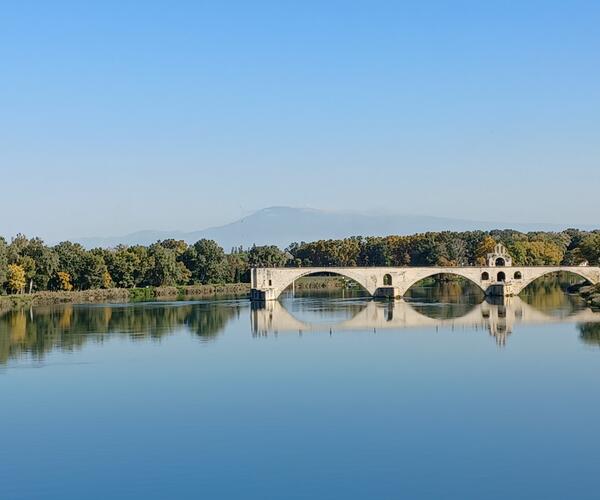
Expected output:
{"points": [[472, 275], [528, 277], [348, 273]]}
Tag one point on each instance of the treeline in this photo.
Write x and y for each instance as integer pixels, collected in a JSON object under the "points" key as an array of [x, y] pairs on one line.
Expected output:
{"points": [[447, 248], [30, 265]]}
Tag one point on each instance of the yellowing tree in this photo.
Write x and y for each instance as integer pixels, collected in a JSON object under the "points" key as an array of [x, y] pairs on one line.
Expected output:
{"points": [[107, 281], [64, 281], [485, 246], [16, 278]]}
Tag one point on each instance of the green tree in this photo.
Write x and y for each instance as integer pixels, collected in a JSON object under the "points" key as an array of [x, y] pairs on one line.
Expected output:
{"points": [[457, 252], [71, 261], [206, 261], [3, 263], [46, 262], [123, 264], [374, 252], [92, 270], [28, 266], [267, 256], [164, 269], [178, 246], [238, 270], [590, 248]]}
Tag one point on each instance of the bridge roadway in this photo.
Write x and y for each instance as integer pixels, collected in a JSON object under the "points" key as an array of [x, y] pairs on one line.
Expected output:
{"points": [[268, 283]]}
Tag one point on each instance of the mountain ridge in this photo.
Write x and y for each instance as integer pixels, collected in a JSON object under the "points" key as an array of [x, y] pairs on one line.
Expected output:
{"points": [[281, 226]]}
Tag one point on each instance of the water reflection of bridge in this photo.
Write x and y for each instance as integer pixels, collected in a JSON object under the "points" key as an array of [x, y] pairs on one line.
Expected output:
{"points": [[498, 319]]}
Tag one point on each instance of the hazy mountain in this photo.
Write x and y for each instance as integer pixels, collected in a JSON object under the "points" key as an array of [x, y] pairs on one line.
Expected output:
{"points": [[282, 225]]}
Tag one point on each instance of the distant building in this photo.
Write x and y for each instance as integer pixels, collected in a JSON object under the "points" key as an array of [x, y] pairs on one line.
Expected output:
{"points": [[499, 257]]}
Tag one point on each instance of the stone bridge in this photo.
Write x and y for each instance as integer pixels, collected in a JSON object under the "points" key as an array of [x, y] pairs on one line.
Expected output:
{"points": [[393, 282]]}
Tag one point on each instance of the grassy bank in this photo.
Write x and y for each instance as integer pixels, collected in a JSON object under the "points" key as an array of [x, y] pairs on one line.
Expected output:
{"points": [[8, 302], [121, 295]]}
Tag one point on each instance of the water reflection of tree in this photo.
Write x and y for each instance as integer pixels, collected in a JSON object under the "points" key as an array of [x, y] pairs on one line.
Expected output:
{"points": [[549, 295], [446, 297], [446, 288], [589, 333], [68, 328]]}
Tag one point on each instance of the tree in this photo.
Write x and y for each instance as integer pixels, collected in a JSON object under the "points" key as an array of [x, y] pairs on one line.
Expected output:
{"points": [[486, 245], [179, 246], [71, 260], [3, 263], [206, 261], [16, 278], [92, 270], [267, 256], [398, 250], [237, 267], [28, 266], [536, 253], [164, 270], [107, 281], [590, 248], [64, 281], [123, 264], [457, 252], [373, 252], [17, 247], [46, 262]]}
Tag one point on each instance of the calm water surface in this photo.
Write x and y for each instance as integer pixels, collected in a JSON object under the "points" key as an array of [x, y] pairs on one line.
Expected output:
{"points": [[315, 397]]}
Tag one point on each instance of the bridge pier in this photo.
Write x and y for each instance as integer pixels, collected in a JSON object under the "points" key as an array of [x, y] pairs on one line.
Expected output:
{"points": [[503, 289], [258, 295], [388, 292]]}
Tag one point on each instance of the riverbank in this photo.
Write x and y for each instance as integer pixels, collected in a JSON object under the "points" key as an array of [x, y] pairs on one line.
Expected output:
{"points": [[8, 302]]}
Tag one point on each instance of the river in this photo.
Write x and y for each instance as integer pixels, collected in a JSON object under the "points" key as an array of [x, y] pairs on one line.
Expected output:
{"points": [[320, 396]]}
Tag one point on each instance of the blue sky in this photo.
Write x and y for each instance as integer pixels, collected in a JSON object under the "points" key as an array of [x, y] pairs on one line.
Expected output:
{"points": [[122, 116]]}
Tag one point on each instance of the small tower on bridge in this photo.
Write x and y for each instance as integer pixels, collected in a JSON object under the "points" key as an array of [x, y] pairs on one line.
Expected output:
{"points": [[499, 257]]}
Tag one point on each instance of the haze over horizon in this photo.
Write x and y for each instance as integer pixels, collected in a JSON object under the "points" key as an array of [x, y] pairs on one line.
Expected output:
{"points": [[282, 225], [118, 117]]}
